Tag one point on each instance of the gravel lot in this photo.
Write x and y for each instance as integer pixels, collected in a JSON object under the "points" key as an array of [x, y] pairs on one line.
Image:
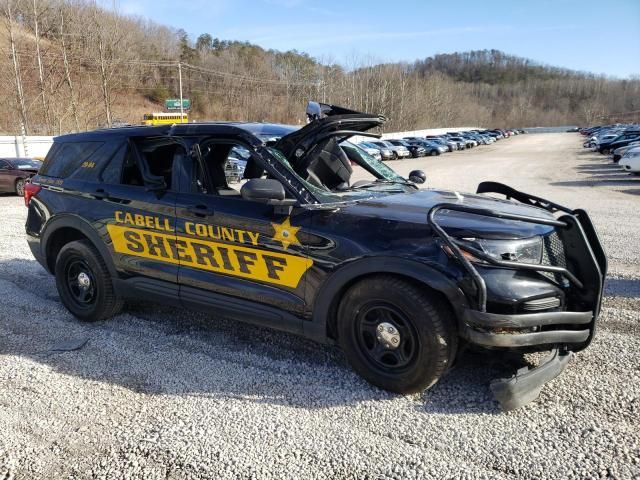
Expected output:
{"points": [[162, 393]]}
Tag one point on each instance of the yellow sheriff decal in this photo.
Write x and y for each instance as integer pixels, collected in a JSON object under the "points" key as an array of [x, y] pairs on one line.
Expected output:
{"points": [[238, 260]]}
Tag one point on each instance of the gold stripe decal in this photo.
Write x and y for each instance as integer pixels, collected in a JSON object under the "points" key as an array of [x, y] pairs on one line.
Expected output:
{"points": [[240, 261]]}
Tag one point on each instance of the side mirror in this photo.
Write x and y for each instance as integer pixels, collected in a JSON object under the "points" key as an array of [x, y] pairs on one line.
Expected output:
{"points": [[263, 190], [417, 176]]}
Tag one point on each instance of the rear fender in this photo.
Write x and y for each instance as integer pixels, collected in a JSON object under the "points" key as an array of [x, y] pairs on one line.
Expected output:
{"points": [[84, 227]]}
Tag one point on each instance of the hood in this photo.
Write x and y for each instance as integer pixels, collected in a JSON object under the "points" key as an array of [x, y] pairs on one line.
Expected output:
{"points": [[414, 208]]}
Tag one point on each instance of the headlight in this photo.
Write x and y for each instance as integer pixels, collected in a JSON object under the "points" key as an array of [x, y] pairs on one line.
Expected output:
{"points": [[528, 250]]}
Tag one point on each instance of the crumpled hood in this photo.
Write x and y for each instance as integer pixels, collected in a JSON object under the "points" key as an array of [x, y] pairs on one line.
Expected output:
{"points": [[414, 207]]}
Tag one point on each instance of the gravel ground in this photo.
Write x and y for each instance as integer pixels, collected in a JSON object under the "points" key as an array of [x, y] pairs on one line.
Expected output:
{"points": [[162, 393]]}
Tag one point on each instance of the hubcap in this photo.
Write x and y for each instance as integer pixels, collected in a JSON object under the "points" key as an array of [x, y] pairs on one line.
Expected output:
{"points": [[386, 338], [83, 280], [80, 283], [388, 335]]}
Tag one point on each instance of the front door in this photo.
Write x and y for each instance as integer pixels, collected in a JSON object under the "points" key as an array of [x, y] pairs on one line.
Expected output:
{"points": [[232, 247]]}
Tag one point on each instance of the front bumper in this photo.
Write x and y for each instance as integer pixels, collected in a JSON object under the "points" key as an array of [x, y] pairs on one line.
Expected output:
{"points": [[572, 324], [525, 330]]}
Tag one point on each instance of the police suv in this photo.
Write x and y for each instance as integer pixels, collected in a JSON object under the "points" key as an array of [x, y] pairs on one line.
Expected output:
{"points": [[396, 275]]}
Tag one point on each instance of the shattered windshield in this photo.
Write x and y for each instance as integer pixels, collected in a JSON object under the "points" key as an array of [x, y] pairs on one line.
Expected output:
{"points": [[346, 172]]}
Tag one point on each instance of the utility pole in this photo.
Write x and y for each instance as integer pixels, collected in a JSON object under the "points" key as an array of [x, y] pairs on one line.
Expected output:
{"points": [[180, 83]]}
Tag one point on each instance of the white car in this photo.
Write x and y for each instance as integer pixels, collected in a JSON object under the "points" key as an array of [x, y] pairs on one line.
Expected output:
{"points": [[630, 162], [374, 152]]}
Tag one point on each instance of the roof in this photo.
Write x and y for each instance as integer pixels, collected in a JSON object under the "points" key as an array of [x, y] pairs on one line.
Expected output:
{"points": [[260, 130]]}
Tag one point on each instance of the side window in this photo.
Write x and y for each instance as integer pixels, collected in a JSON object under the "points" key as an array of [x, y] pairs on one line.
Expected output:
{"points": [[227, 166], [92, 169], [159, 156], [4, 165], [112, 170], [131, 174], [236, 164], [67, 158]]}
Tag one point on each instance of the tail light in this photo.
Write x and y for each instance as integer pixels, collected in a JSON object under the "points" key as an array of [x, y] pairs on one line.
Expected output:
{"points": [[30, 190]]}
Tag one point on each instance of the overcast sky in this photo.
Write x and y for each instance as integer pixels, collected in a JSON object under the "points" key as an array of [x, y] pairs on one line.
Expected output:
{"points": [[595, 36]]}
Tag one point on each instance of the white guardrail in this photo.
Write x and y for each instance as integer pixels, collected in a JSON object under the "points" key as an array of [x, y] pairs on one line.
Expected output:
{"points": [[38, 146], [30, 146], [414, 133]]}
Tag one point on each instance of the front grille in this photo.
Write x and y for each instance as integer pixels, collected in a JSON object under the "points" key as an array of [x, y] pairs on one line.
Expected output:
{"points": [[553, 251], [553, 254], [541, 304]]}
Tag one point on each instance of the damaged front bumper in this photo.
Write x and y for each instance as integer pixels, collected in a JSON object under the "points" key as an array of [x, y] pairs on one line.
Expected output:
{"points": [[526, 330], [525, 386], [565, 330]]}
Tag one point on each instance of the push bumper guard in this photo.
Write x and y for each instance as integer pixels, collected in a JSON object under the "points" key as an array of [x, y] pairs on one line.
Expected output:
{"points": [[566, 330]]}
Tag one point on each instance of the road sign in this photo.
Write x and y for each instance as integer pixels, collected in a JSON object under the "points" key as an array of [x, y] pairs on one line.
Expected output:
{"points": [[174, 104]]}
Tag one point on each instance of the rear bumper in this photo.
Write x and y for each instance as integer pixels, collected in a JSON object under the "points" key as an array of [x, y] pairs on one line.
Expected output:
{"points": [[525, 330]]}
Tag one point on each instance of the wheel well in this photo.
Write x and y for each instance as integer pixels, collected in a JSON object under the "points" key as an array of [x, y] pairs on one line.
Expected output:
{"points": [[59, 239], [332, 317]]}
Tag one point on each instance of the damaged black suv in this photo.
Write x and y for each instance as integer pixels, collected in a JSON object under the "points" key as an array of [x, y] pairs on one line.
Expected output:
{"points": [[396, 275]]}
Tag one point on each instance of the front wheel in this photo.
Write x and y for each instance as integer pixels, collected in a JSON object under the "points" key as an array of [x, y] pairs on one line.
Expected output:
{"points": [[84, 283], [20, 187], [434, 153], [397, 336]]}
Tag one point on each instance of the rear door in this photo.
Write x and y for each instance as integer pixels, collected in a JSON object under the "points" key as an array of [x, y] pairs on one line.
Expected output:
{"points": [[134, 202]]}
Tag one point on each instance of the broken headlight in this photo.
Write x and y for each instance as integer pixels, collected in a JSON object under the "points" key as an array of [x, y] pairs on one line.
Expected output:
{"points": [[528, 250]]}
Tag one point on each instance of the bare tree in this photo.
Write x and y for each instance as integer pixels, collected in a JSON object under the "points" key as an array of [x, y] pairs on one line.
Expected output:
{"points": [[10, 26]]}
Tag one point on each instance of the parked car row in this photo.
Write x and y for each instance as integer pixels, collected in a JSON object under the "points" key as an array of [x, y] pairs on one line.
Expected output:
{"points": [[433, 145], [620, 141], [608, 138]]}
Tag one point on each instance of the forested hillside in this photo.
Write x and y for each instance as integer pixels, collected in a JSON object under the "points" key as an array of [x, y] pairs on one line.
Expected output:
{"points": [[69, 65]]}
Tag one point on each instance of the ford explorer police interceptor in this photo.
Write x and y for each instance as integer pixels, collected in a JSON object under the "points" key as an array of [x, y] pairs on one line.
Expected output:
{"points": [[396, 275]]}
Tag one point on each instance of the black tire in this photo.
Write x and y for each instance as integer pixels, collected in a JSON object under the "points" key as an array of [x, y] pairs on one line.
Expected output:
{"points": [[20, 187], [605, 151], [97, 299], [426, 336], [434, 153], [394, 156]]}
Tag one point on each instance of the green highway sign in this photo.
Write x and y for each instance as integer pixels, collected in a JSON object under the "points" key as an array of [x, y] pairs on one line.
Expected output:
{"points": [[174, 104]]}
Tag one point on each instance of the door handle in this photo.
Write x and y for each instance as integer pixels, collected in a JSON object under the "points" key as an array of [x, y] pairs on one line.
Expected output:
{"points": [[200, 210], [100, 194]]}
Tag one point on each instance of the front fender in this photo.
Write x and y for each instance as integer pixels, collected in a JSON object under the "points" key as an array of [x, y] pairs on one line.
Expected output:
{"points": [[328, 297]]}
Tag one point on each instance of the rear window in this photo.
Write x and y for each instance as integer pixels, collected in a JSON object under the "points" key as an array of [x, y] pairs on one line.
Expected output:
{"points": [[65, 158]]}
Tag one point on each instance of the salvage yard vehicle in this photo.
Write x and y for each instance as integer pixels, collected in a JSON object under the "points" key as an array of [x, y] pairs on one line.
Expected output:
{"points": [[631, 161], [16, 172], [397, 276]]}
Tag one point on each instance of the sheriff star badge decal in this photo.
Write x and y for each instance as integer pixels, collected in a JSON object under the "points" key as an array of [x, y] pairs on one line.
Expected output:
{"points": [[285, 233]]}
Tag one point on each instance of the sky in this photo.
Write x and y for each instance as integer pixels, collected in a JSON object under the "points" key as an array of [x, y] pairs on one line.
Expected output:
{"points": [[601, 37]]}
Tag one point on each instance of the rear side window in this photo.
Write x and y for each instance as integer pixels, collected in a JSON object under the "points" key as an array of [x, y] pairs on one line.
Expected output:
{"points": [[66, 158]]}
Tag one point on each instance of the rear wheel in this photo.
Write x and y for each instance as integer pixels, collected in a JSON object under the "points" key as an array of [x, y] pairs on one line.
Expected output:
{"points": [[84, 283], [20, 187], [395, 335]]}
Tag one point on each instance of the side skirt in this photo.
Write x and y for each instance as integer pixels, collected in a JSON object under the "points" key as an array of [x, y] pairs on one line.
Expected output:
{"points": [[209, 302]]}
